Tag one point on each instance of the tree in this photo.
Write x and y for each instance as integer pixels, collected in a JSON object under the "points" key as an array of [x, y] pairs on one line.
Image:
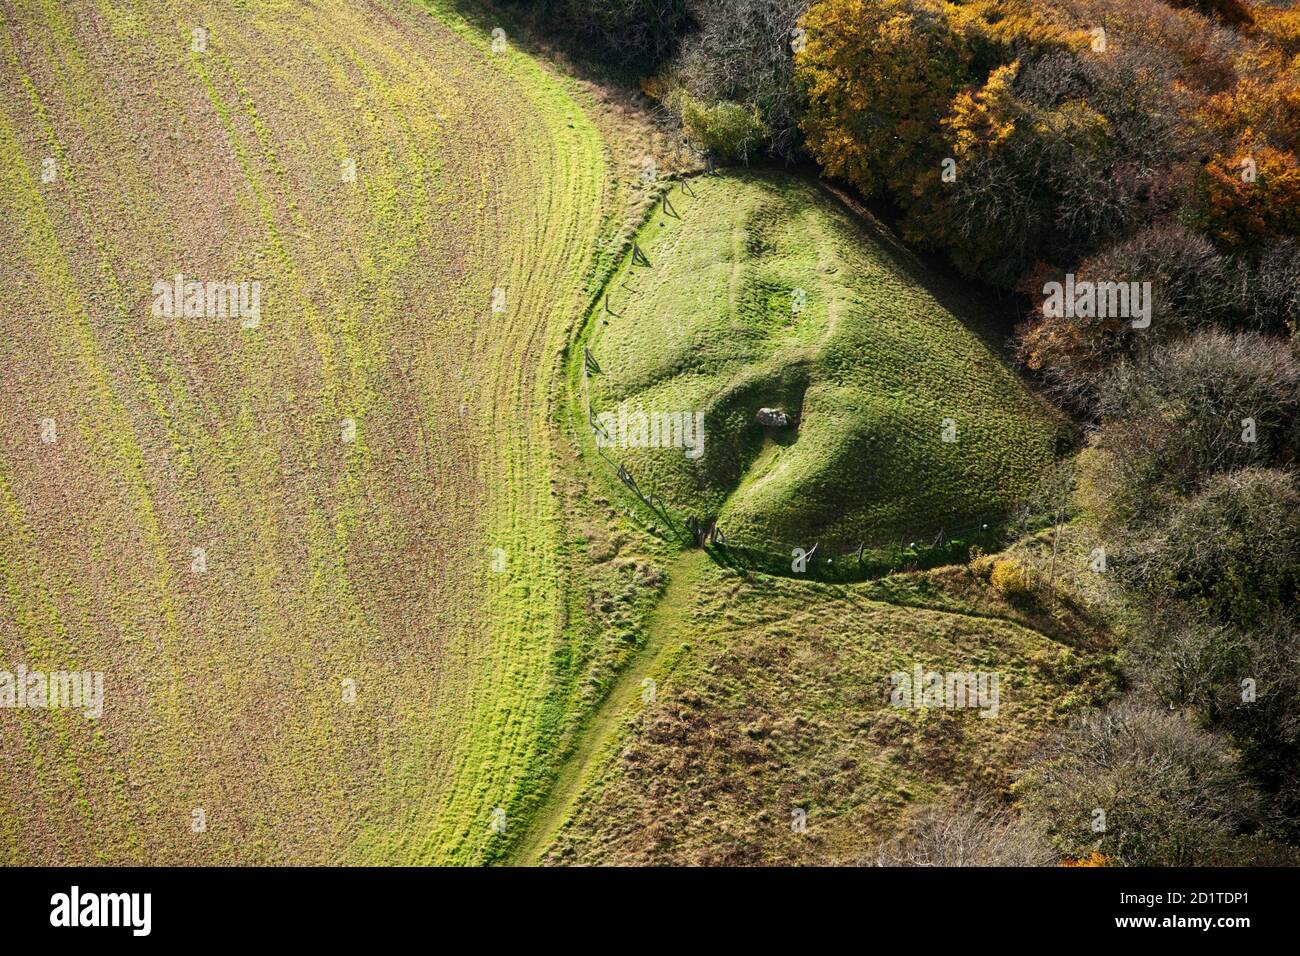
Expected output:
{"points": [[742, 51], [1263, 105], [1233, 397], [1193, 287], [1234, 12], [639, 34], [728, 130], [878, 78], [1143, 787], [1252, 193], [1233, 547], [1177, 414], [1277, 26], [1273, 288], [1027, 178], [1059, 151], [965, 834], [1129, 477], [1241, 680]]}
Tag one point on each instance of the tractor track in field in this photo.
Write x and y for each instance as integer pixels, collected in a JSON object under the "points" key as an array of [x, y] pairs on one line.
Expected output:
{"points": [[366, 563]]}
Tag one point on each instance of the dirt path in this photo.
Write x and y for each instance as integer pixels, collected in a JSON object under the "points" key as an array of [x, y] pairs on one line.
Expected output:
{"points": [[667, 627]]}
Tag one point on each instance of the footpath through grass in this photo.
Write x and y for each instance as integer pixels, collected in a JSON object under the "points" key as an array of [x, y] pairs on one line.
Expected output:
{"points": [[774, 697], [667, 626]]}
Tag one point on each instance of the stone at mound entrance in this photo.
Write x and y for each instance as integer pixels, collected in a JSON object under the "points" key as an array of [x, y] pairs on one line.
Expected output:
{"points": [[773, 418]]}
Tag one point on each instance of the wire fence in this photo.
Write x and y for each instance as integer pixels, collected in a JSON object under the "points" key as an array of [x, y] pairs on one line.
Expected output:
{"points": [[872, 557], [922, 547]]}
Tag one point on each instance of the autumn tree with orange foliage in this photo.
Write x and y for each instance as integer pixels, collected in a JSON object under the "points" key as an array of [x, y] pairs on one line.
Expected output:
{"points": [[1252, 195], [994, 125], [1264, 103], [1092, 859], [878, 77], [1278, 27]]}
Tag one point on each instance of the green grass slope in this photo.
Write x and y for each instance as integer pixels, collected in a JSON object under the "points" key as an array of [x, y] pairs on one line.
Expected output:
{"points": [[876, 364]]}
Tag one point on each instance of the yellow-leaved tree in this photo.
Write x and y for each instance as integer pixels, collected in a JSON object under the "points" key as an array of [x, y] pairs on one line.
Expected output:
{"points": [[879, 76]]}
